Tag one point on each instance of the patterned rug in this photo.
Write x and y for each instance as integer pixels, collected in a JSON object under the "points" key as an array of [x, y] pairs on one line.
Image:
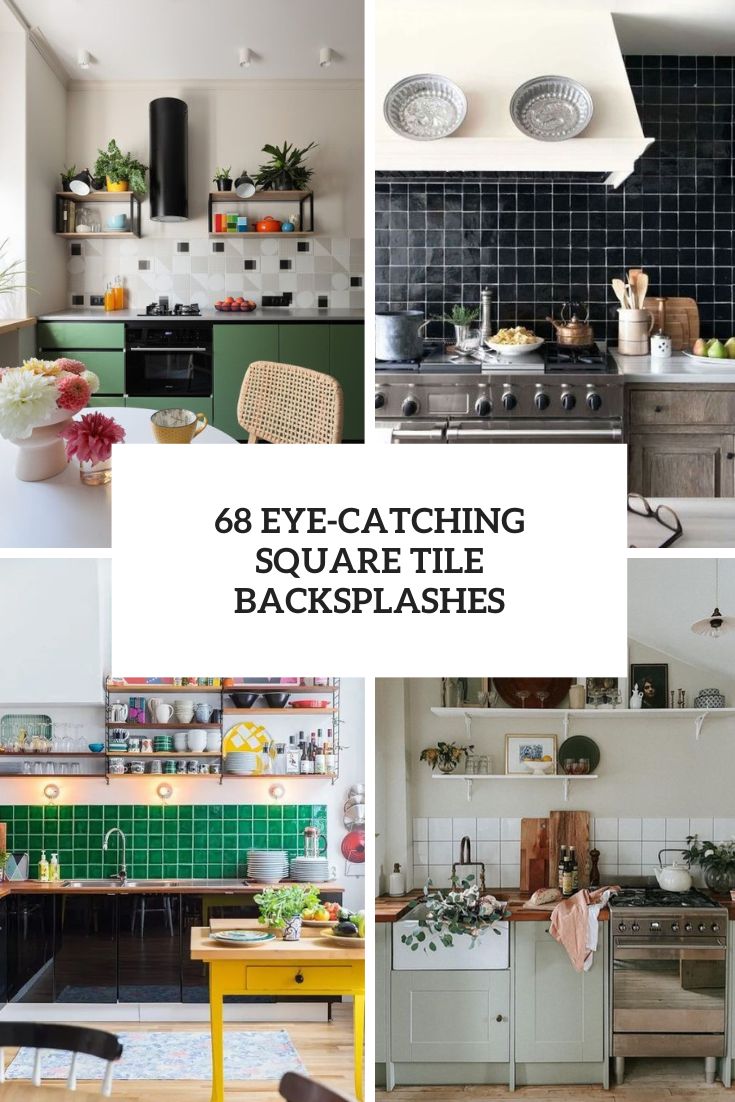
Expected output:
{"points": [[265, 1054]]}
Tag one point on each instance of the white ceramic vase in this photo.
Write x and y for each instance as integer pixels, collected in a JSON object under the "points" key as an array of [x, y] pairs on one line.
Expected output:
{"points": [[42, 454]]}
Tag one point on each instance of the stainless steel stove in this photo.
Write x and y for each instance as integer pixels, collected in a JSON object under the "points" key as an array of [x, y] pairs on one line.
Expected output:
{"points": [[669, 954], [557, 395]]}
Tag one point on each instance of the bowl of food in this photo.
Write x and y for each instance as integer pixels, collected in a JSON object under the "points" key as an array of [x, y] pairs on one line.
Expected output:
{"points": [[514, 341], [539, 768]]}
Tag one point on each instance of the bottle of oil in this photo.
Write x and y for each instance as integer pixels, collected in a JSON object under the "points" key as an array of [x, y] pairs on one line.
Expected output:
{"points": [[560, 867], [118, 290], [575, 868], [567, 880], [109, 297]]}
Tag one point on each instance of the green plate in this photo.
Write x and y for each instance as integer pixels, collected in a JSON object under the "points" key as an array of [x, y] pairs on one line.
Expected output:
{"points": [[241, 937], [579, 746]]}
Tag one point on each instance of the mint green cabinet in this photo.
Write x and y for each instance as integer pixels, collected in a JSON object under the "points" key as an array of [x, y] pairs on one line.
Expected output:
{"points": [[559, 1013], [80, 334], [347, 365], [198, 405], [235, 347], [383, 948], [450, 1017], [101, 400]]}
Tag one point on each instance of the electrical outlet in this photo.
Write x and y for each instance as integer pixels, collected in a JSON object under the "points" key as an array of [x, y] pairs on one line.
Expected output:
{"points": [[96, 300]]}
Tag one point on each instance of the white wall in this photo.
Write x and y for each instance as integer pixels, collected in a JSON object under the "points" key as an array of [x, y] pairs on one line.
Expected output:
{"points": [[13, 159]]}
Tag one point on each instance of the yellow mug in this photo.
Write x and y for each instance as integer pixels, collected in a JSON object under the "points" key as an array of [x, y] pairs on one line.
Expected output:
{"points": [[177, 426]]}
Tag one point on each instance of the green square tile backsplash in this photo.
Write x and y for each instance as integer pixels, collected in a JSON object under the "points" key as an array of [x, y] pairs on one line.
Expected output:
{"points": [[209, 840]]}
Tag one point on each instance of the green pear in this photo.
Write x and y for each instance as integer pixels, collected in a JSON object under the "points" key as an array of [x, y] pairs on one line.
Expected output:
{"points": [[717, 351], [730, 347], [711, 341], [699, 348]]}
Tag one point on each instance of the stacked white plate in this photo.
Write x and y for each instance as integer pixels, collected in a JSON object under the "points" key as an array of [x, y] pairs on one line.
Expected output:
{"points": [[267, 866], [240, 762], [309, 870]]}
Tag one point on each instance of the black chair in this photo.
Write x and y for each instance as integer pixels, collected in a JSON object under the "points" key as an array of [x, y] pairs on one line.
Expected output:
{"points": [[66, 1038], [297, 1088]]}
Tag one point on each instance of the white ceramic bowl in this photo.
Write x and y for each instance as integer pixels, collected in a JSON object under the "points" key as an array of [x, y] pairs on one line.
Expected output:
{"points": [[180, 741], [197, 741], [538, 768], [514, 349], [214, 741]]}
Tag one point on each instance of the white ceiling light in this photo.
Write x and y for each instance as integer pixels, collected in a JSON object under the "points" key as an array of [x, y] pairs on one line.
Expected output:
{"points": [[325, 57], [245, 57], [716, 624], [84, 59]]}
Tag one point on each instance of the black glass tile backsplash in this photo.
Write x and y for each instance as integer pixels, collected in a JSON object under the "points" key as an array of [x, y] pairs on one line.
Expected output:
{"points": [[537, 241]]}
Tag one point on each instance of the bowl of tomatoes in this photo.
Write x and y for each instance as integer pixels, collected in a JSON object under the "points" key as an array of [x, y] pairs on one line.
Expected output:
{"points": [[234, 305]]}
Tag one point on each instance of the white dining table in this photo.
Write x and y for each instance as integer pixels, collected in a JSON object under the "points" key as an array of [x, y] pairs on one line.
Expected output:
{"points": [[61, 511], [706, 522]]}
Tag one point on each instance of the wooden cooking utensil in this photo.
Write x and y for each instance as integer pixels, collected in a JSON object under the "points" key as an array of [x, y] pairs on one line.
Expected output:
{"points": [[571, 828], [619, 288], [641, 289]]}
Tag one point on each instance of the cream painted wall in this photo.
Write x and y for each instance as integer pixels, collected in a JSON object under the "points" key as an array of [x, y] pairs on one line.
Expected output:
{"points": [[229, 122], [12, 159]]}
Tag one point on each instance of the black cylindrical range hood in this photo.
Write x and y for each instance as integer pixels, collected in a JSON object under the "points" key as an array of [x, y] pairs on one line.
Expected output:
{"points": [[169, 156]]}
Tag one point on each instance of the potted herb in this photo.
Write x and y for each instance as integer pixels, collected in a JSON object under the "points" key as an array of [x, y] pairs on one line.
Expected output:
{"points": [[445, 755], [223, 179], [67, 174], [464, 319], [286, 170], [281, 908], [122, 171], [10, 273], [462, 912], [717, 860]]}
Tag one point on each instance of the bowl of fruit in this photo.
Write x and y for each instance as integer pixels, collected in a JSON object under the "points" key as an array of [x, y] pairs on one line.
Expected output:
{"points": [[324, 914], [707, 351], [349, 930], [235, 305]]}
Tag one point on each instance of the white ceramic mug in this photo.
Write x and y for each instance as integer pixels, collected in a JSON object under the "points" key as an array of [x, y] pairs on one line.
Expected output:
{"points": [[118, 713], [214, 741], [180, 743], [163, 712], [153, 703]]}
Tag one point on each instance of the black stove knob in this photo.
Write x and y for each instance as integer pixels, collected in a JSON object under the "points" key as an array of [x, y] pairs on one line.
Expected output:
{"points": [[509, 400], [688, 927], [379, 399], [622, 927], [715, 927], [483, 407], [594, 401], [410, 407], [675, 927], [635, 927], [702, 928], [568, 401], [541, 400]]}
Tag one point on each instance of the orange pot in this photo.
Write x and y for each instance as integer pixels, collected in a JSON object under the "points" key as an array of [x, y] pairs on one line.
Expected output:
{"points": [[122, 185], [268, 225]]}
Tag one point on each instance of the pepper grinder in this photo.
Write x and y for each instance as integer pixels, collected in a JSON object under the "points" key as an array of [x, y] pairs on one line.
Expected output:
{"points": [[594, 870], [486, 309]]}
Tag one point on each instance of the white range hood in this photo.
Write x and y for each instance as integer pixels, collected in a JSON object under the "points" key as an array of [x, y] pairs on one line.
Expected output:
{"points": [[489, 48]]}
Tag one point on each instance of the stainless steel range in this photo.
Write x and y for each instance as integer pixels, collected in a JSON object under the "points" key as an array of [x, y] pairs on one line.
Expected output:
{"points": [[561, 395], [669, 976]]}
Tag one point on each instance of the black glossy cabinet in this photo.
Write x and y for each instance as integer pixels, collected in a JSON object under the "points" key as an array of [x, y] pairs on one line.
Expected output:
{"points": [[31, 948], [3, 952], [85, 948], [149, 948], [197, 910]]}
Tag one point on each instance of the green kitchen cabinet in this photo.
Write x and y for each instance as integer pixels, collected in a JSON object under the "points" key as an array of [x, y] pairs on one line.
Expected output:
{"points": [[107, 400], [559, 1013], [305, 345], [383, 952], [80, 334], [108, 365], [347, 365], [198, 405], [450, 1017], [235, 347]]}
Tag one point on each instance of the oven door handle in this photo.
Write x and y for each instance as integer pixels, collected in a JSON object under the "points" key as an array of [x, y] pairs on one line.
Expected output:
{"points": [[539, 435], [172, 348], [417, 434], [708, 950]]}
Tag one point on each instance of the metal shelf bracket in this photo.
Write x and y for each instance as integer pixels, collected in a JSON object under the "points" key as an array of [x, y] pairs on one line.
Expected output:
{"points": [[699, 724], [468, 782]]}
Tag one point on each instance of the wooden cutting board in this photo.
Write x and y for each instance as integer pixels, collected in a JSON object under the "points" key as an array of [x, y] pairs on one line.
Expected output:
{"points": [[534, 854], [571, 828], [682, 319]]}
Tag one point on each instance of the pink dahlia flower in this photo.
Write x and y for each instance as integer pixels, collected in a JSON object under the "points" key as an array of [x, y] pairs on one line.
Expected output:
{"points": [[73, 393], [72, 367], [91, 438]]}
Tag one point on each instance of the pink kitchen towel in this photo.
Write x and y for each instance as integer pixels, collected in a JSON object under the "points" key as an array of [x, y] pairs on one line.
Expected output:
{"points": [[574, 924]]}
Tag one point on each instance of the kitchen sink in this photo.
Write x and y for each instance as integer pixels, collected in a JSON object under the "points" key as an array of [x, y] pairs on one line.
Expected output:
{"points": [[135, 882], [98, 883], [490, 952]]}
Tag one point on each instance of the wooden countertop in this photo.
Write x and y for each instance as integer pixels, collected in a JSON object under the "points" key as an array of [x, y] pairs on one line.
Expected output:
{"points": [[393, 908], [204, 887], [12, 325], [312, 946]]}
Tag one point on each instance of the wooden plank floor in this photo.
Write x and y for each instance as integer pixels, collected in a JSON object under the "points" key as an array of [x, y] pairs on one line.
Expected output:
{"points": [[646, 1081], [325, 1050]]}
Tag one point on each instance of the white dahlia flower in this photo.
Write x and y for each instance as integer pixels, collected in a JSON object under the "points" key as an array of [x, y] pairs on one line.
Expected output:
{"points": [[26, 401], [92, 380]]}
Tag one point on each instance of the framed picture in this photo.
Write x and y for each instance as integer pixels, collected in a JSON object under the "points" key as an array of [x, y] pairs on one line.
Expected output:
{"points": [[522, 749], [652, 680], [603, 692]]}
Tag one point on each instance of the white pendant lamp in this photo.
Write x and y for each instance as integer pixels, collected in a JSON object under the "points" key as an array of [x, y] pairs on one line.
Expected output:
{"points": [[716, 624]]}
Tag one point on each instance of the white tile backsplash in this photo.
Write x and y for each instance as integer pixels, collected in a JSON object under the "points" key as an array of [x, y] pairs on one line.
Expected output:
{"points": [[653, 828], [441, 853], [724, 828], [510, 829], [421, 853], [489, 852], [462, 828], [629, 830], [606, 830], [440, 830], [488, 829], [676, 829], [629, 853], [420, 830], [702, 827]]}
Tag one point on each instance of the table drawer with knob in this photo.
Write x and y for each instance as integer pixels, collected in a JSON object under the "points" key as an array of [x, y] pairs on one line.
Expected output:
{"points": [[661, 407], [295, 980]]}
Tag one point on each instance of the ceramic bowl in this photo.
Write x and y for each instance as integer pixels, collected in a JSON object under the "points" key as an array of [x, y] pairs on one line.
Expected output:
{"points": [[276, 700], [538, 768], [244, 700], [96, 747], [197, 741]]}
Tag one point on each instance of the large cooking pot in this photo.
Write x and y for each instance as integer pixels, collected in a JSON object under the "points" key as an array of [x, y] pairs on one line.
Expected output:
{"points": [[398, 335]]}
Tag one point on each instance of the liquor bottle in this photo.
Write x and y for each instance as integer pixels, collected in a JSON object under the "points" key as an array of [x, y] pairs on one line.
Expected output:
{"points": [[303, 760], [329, 752], [560, 867], [320, 761], [575, 868], [293, 757], [567, 880]]}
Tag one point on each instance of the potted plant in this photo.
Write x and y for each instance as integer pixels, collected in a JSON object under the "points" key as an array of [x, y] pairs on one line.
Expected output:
{"points": [[223, 179], [10, 273], [286, 170], [445, 755], [717, 860], [122, 171], [464, 319], [462, 911], [281, 908], [66, 176]]}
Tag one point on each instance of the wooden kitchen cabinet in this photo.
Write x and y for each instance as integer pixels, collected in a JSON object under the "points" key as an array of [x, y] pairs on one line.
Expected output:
{"points": [[450, 1017], [235, 347], [559, 1013]]}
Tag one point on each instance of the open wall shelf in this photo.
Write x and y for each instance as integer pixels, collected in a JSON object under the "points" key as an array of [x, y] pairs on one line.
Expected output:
{"points": [[65, 213]]}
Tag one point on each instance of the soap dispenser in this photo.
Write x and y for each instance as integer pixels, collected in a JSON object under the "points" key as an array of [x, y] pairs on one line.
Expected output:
{"points": [[43, 870], [397, 881], [54, 870]]}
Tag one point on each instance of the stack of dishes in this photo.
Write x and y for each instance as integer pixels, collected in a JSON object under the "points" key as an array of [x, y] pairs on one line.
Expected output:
{"points": [[310, 870], [267, 866], [163, 744], [241, 762]]}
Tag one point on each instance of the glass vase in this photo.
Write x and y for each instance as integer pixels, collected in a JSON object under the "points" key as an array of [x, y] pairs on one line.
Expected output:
{"points": [[720, 880], [95, 474]]}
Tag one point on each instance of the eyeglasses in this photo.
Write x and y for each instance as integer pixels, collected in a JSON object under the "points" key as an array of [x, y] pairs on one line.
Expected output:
{"points": [[662, 513]]}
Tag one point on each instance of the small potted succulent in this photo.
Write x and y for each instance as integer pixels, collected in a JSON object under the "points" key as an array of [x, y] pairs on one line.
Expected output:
{"points": [[445, 755], [717, 861], [281, 908], [460, 912], [67, 174], [122, 171], [223, 178]]}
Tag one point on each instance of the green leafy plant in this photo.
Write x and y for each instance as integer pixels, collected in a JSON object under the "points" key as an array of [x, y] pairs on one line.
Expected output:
{"points": [[119, 166], [277, 905], [461, 911], [10, 273], [719, 856], [222, 174], [66, 175], [446, 755], [286, 170], [460, 315]]}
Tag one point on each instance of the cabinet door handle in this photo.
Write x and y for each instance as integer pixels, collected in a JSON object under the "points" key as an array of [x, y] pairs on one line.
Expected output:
{"points": [[499, 1018], [658, 409], [299, 978], [730, 455]]}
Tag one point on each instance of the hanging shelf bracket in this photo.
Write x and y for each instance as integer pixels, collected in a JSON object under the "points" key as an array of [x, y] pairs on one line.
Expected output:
{"points": [[468, 782], [566, 790], [468, 726], [565, 728], [699, 724]]}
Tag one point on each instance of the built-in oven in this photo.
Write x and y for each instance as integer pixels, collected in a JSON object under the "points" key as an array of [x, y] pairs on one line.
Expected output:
{"points": [[168, 359]]}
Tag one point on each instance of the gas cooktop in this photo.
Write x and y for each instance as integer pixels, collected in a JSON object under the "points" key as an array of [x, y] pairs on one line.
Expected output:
{"points": [[658, 898], [551, 359], [163, 310]]}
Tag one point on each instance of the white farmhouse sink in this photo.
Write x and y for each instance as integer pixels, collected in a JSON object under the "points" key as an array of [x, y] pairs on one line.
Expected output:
{"points": [[490, 952]]}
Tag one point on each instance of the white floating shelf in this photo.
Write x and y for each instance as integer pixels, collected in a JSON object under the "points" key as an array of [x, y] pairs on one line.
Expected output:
{"points": [[470, 778], [699, 715]]}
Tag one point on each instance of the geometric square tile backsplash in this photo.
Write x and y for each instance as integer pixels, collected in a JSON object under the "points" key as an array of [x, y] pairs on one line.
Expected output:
{"points": [[186, 841]]}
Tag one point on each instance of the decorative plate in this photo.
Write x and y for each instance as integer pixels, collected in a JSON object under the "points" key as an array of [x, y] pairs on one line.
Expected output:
{"points": [[241, 937], [511, 688], [425, 107], [551, 108], [310, 704], [714, 362], [246, 736], [579, 746], [316, 922], [349, 942]]}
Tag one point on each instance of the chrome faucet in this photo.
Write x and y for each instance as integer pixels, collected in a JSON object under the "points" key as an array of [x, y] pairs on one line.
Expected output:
{"points": [[122, 873]]}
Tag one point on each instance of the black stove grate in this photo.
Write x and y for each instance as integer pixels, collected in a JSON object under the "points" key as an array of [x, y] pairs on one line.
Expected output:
{"points": [[657, 897]]}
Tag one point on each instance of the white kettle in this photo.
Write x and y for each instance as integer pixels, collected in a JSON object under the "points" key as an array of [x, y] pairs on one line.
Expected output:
{"points": [[674, 877]]}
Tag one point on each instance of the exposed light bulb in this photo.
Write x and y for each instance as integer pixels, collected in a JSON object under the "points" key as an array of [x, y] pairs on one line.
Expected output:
{"points": [[325, 57], [83, 59], [52, 792], [245, 57], [277, 791], [165, 791]]}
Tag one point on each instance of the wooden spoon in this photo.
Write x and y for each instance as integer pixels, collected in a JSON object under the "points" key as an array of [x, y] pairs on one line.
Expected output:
{"points": [[641, 290], [619, 288]]}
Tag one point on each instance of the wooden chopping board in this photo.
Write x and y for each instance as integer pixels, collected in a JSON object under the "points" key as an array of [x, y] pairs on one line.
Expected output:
{"points": [[534, 854], [682, 319], [571, 828]]}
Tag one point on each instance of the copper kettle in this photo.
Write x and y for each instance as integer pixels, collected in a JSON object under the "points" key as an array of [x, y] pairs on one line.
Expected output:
{"points": [[573, 329]]}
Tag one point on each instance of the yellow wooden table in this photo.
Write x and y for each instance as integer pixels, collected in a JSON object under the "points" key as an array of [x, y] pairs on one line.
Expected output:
{"points": [[311, 966]]}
